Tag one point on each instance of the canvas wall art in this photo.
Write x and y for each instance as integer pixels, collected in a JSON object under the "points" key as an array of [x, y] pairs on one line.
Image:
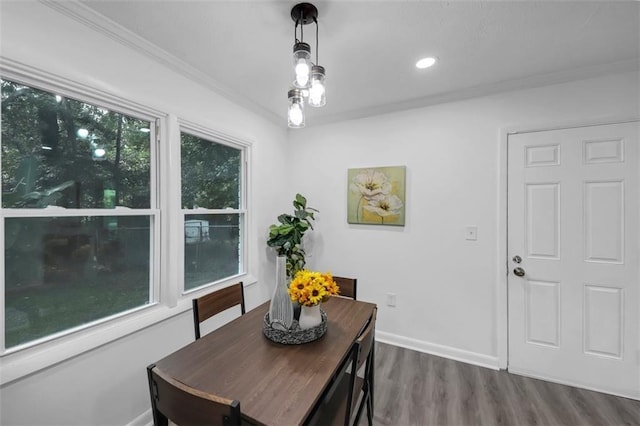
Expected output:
{"points": [[376, 195]]}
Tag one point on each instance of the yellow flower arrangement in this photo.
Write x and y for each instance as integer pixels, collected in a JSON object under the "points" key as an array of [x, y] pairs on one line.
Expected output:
{"points": [[309, 288]]}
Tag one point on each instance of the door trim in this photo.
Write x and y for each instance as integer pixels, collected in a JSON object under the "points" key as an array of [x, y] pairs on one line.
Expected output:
{"points": [[502, 312]]}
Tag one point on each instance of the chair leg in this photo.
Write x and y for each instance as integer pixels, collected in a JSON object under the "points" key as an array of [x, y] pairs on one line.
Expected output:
{"points": [[366, 399], [370, 409], [372, 373], [367, 390]]}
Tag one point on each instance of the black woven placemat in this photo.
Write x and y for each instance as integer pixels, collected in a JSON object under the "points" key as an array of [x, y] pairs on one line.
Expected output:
{"points": [[294, 336]]}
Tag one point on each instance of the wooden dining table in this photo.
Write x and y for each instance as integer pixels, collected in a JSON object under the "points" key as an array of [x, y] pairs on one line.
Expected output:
{"points": [[276, 384]]}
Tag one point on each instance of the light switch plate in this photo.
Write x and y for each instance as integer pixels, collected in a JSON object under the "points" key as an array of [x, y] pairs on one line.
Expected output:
{"points": [[391, 299]]}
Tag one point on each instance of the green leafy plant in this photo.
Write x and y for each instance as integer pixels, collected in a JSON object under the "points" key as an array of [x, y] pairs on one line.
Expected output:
{"points": [[286, 237]]}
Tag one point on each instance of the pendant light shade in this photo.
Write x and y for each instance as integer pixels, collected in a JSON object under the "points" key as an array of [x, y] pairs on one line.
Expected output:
{"points": [[296, 109], [317, 91], [302, 64]]}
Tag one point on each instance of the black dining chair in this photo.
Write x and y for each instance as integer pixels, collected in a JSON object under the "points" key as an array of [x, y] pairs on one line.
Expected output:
{"points": [[353, 389], [183, 405], [213, 303]]}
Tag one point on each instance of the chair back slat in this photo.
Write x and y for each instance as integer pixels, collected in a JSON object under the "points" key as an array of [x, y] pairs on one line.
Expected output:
{"points": [[183, 405], [348, 286], [206, 306]]}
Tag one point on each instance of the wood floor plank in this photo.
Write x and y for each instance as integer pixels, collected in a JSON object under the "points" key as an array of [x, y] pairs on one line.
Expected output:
{"points": [[421, 384], [619, 411], [414, 388], [469, 403], [526, 399]]}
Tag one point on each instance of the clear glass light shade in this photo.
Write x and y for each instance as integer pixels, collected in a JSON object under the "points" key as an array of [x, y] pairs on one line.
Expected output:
{"points": [[296, 109], [302, 64], [317, 91]]}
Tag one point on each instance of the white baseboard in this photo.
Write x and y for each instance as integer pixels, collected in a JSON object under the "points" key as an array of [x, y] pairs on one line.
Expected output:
{"points": [[144, 419], [439, 350]]}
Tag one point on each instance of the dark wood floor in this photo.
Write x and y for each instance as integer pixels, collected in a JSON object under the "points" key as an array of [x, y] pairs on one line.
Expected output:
{"points": [[414, 388]]}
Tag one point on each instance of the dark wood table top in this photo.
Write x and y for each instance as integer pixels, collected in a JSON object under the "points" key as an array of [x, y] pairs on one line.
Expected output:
{"points": [[276, 384]]}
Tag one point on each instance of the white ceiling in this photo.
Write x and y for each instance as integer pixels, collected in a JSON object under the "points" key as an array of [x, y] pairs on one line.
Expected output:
{"points": [[369, 48]]}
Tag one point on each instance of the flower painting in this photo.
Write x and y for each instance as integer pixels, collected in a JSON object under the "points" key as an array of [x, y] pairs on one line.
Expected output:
{"points": [[376, 195]]}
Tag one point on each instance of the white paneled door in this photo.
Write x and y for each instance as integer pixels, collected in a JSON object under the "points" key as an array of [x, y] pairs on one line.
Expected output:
{"points": [[573, 256]]}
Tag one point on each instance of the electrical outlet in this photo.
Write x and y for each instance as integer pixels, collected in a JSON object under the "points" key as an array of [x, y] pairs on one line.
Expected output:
{"points": [[391, 299]]}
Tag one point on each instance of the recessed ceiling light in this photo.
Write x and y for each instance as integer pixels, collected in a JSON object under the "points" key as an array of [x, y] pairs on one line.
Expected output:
{"points": [[425, 62]]}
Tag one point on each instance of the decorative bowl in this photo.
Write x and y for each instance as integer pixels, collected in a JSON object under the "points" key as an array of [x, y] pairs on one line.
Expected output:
{"points": [[294, 336]]}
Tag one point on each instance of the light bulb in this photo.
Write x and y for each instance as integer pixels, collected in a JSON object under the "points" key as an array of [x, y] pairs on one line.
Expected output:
{"points": [[315, 94], [99, 152], [82, 133], [295, 114], [302, 73], [317, 91]]}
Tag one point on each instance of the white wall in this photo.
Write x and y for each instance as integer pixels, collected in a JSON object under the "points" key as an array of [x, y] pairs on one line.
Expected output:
{"points": [[446, 286], [108, 385]]}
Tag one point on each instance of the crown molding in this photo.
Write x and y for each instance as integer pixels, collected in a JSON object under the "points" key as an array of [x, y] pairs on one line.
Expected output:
{"points": [[105, 26], [531, 82]]}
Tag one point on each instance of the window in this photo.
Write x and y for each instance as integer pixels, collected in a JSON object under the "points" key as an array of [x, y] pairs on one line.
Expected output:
{"points": [[212, 207], [78, 213]]}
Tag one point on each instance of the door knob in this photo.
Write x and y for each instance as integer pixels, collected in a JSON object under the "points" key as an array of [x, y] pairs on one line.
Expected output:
{"points": [[519, 272]]}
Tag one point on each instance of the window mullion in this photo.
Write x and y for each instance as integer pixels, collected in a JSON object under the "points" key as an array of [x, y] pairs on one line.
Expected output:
{"points": [[12, 213], [172, 227]]}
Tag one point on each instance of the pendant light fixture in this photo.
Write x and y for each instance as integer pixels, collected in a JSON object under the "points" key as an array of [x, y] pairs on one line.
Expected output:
{"points": [[309, 78]]}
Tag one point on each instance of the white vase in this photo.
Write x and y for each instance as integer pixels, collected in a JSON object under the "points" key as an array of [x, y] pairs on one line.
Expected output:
{"points": [[310, 317], [281, 309]]}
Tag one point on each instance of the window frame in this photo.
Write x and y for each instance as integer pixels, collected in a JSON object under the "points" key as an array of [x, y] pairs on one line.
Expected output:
{"points": [[193, 129], [168, 300], [68, 89]]}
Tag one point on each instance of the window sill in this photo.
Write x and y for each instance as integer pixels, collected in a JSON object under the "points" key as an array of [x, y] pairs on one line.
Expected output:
{"points": [[23, 362]]}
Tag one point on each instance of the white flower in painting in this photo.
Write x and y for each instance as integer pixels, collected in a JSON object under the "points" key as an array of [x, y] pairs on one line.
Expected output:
{"points": [[384, 205], [371, 183]]}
